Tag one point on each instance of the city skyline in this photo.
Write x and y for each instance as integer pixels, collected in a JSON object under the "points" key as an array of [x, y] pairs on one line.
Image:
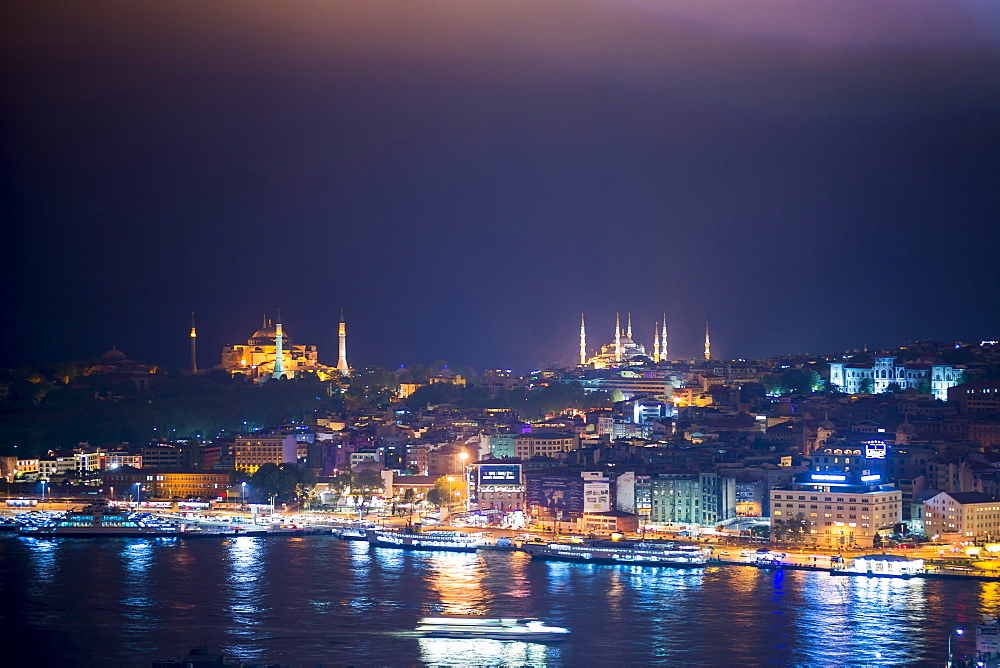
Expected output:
{"points": [[806, 179]]}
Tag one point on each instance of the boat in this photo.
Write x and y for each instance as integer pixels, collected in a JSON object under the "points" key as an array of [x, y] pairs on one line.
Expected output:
{"points": [[523, 629], [621, 552], [448, 541], [98, 519]]}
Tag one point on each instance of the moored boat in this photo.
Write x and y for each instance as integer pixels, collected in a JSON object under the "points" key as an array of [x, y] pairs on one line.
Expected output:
{"points": [[621, 552], [448, 541], [98, 519], [523, 629]]}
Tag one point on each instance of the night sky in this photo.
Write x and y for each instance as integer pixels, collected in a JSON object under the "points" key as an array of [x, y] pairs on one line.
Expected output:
{"points": [[465, 178]]}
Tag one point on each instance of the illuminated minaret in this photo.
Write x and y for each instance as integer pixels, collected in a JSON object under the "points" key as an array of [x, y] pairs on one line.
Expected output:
{"points": [[628, 332], [583, 341], [342, 337], [656, 343], [618, 338], [708, 343], [194, 346], [663, 340], [279, 353]]}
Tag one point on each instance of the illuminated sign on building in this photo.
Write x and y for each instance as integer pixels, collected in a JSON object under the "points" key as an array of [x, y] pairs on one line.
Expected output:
{"points": [[828, 476], [875, 450], [499, 474], [871, 478]]}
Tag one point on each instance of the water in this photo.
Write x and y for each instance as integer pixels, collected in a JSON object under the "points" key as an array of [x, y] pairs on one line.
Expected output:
{"points": [[318, 600]]}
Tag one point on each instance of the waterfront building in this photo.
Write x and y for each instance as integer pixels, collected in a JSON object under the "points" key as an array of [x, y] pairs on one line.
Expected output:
{"points": [[252, 452], [702, 498], [612, 521], [962, 516], [545, 444], [496, 486], [168, 483], [877, 377], [843, 500]]}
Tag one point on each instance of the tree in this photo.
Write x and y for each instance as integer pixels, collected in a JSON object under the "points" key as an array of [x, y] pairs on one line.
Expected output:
{"points": [[365, 485], [867, 386], [924, 386], [447, 490], [283, 481], [893, 387], [339, 484]]}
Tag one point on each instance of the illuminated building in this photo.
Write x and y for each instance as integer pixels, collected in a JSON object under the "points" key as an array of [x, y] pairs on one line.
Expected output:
{"points": [[851, 378], [962, 516], [252, 452], [544, 444], [342, 366], [843, 500], [168, 484], [270, 353], [194, 347], [622, 351], [704, 499], [708, 345], [495, 487]]}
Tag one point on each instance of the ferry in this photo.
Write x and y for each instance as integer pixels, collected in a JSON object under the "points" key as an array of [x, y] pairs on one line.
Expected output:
{"points": [[448, 541], [523, 629], [619, 552], [97, 520]]}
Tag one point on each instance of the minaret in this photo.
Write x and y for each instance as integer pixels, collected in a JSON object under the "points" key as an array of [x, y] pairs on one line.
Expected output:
{"points": [[618, 338], [663, 340], [194, 347], [342, 337], [583, 341], [656, 343], [279, 353], [708, 344], [628, 333]]}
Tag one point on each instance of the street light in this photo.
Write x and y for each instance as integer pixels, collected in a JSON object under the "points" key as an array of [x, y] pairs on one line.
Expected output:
{"points": [[43, 491], [956, 632], [138, 494], [243, 493]]}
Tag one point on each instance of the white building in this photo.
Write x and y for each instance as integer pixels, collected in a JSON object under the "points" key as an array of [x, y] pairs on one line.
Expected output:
{"points": [[838, 518], [962, 516], [884, 372]]}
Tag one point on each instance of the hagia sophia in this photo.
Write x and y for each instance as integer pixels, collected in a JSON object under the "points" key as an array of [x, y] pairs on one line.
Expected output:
{"points": [[270, 353]]}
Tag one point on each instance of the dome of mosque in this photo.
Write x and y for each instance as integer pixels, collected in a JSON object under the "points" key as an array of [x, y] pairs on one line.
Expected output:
{"points": [[114, 355], [267, 335]]}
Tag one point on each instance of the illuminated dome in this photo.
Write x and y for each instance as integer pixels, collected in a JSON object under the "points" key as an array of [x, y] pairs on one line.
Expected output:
{"points": [[267, 336]]}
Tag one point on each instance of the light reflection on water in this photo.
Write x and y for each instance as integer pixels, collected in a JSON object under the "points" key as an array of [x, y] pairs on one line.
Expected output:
{"points": [[318, 600], [480, 652], [247, 585]]}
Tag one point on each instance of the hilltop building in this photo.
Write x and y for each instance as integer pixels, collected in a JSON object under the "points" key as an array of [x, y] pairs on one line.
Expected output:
{"points": [[935, 378], [270, 353]]}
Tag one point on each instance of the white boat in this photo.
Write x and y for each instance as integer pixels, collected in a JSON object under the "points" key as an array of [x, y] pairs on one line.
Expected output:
{"points": [[523, 629], [98, 520], [449, 541], [613, 552]]}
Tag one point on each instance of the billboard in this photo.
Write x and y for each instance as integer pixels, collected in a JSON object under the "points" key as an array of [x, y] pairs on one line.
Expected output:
{"points": [[499, 474], [596, 497], [560, 494]]}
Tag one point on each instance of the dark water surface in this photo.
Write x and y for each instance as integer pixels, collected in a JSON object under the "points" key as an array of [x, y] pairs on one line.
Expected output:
{"points": [[318, 600]]}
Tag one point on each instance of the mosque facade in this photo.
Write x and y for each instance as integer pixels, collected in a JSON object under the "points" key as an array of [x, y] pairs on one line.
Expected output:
{"points": [[623, 350], [271, 353]]}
